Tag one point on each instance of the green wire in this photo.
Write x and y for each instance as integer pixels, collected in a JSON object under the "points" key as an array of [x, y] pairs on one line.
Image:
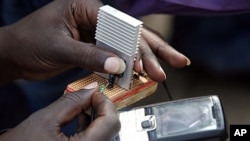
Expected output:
{"points": [[102, 89]]}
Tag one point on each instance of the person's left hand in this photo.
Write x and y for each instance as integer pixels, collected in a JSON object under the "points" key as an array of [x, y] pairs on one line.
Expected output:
{"points": [[46, 124], [59, 36]]}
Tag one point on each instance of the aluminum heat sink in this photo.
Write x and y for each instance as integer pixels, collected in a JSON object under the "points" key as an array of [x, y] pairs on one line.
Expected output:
{"points": [[119, 33]]}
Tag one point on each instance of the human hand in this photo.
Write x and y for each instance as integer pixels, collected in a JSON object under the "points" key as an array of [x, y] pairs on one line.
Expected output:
{"points": [[46, 124], [55, 38], [153, 46], [60, 35]]}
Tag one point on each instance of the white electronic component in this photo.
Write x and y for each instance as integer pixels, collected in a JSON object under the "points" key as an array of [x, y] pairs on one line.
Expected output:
{"points": [[119, 33]]}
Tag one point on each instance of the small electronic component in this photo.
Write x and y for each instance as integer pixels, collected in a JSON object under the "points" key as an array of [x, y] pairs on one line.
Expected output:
{"points": [[119, 33], [111, 81]]}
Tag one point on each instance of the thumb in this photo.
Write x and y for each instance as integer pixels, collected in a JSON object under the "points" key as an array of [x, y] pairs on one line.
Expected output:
{"points": [[89, 56], [69, 106]]}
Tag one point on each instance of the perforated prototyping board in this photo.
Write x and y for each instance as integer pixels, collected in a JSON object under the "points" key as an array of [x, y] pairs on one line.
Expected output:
{"points": [[120, 96]]}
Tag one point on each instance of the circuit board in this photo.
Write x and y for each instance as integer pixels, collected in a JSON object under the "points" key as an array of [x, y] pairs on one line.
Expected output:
{"points": [[142, 88]]}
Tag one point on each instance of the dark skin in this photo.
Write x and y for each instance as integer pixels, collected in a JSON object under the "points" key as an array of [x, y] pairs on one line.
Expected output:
{"points": [[59, 36], [46, 124], [56, 38]]}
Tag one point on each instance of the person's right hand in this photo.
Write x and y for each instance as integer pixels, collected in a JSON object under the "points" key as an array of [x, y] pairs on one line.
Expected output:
{"points": [[46, 124], [53, 39]]}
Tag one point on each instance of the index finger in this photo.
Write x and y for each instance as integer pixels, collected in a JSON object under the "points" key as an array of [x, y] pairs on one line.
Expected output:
{"points": [[85, 11], [164, 51]]}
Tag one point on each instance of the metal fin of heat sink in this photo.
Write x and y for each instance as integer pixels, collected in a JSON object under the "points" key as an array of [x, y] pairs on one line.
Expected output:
{"points": [[119, 33]]}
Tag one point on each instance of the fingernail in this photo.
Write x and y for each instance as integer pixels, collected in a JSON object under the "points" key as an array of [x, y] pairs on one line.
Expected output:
{"points": [[114, 65], [163, 73], [91, 85], [188, 62]]}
